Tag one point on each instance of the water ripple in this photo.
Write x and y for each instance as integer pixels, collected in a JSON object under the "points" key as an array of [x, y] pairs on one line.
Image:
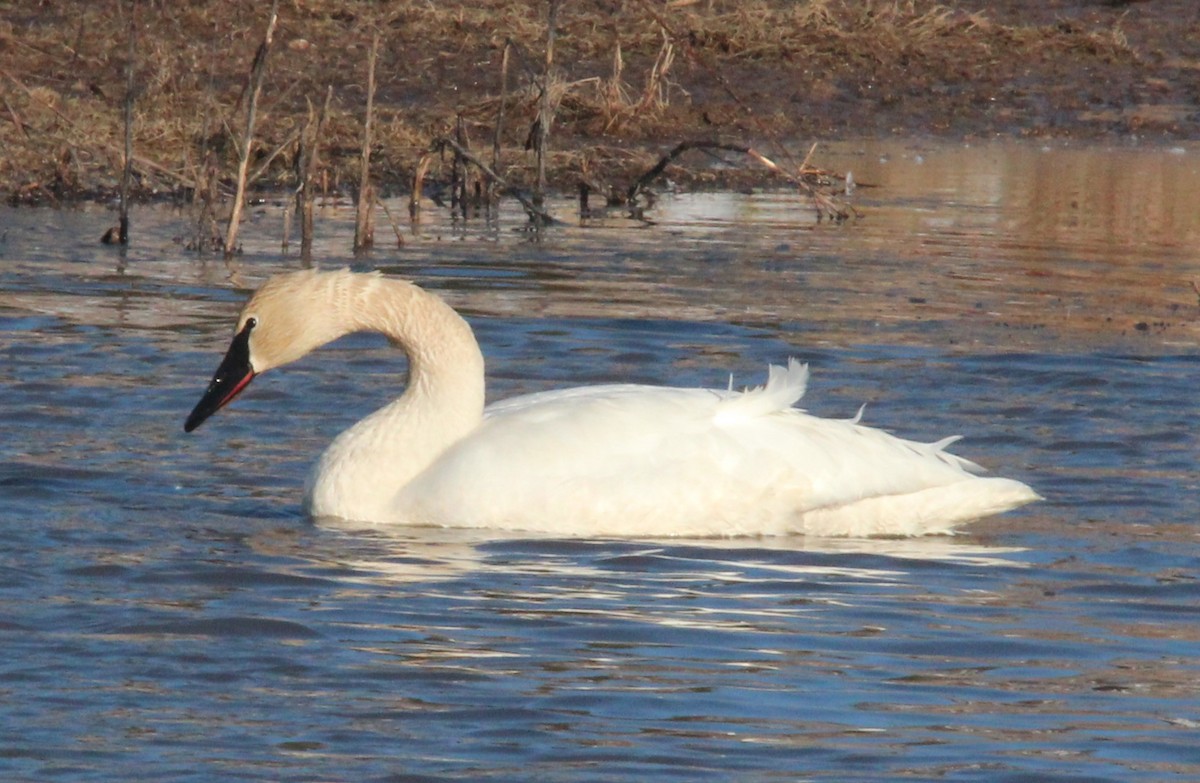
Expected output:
{"points": [[167, 613]]}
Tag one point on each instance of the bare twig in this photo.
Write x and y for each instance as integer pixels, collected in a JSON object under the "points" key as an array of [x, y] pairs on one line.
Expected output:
{"points": [[127, 170], [270, 157], [289, 209], [418, 184], [545, 108], [306, 190], [679, 149], [458, 170], [826, 205], [364, 230], [253, 90], [207, 188], [534, 210], [499, 131], [395, 224]]}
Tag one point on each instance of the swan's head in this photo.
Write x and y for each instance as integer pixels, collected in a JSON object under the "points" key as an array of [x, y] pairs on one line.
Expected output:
{"points": [[289, 316]]}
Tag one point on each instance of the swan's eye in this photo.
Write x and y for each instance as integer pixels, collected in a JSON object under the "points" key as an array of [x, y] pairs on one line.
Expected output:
{"points": [[251, 322]]}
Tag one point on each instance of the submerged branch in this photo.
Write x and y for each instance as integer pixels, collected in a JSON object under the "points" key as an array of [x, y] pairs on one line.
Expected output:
{"points": [[534, 211], [826, 204]]}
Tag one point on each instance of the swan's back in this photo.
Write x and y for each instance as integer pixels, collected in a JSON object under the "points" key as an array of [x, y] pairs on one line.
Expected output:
{"points": [[650, 461]]}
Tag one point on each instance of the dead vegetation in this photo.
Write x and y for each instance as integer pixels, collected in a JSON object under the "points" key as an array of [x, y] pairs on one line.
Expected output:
{"points": [[628, 79]]}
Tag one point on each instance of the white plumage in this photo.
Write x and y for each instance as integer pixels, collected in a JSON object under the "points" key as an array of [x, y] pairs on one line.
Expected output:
{"points": [[619, 460]]}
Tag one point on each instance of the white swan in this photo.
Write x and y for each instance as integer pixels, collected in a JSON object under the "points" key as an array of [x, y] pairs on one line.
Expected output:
{"points": [[617, 460]]}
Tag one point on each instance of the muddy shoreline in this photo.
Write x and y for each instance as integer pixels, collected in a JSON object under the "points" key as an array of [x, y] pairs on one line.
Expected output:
{"points": [[630, 80]]}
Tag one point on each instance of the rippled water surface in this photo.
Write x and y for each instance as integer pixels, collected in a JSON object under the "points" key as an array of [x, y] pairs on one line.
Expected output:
{"points": [[166, 613]]}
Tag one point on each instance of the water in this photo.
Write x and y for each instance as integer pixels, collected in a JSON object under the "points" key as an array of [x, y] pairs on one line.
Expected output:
{"points": [[167, 614]]}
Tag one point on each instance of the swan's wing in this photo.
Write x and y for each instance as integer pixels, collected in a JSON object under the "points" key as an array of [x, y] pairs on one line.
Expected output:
{"points": [[783, 389], [565, 461], [637, 460]]}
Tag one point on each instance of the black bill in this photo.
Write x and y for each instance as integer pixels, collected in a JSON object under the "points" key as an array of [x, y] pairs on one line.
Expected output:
{"points": [[233, 375]]}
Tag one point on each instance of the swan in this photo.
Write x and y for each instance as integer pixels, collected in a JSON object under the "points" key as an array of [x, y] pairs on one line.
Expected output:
{"points": [[610, 460]]}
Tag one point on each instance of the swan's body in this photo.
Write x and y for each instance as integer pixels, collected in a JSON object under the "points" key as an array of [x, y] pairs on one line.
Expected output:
{"points": [[618, 460]]}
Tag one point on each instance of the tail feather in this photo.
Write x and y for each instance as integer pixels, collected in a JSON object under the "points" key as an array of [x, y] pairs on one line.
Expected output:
{"points": [[930, 511], [783, 389]]}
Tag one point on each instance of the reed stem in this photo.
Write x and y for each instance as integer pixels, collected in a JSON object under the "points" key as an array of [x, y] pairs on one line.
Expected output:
{"points": [[254, 82], [364, 228]]}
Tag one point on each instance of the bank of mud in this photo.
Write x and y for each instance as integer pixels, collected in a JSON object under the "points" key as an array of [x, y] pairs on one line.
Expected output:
{"points": [[630, 79]]}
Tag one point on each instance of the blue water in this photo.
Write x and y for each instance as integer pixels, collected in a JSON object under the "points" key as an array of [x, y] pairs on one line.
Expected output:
{"points": [[166, 613]]}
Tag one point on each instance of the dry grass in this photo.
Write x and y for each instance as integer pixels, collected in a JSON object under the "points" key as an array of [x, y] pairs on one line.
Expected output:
{"points": [[621, 79]]}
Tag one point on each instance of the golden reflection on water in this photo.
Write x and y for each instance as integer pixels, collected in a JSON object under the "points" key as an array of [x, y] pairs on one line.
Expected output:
{"points": [[1006, 243], [1088, 242], [1050, 196], [978, 246]]}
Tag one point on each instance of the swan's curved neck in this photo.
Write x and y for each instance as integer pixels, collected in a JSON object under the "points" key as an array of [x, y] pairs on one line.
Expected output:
{"points": [[364, 468]]}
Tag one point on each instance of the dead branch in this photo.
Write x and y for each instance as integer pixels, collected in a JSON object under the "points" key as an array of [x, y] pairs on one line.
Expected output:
{"points": [[826, 205], [498, 133], [127, 169], [364, 229], [544, 110], [395, 223], [679, 149], [253, 89], [458, 169], [270, 157], [535, 211], [310, 141], [418, 184]]}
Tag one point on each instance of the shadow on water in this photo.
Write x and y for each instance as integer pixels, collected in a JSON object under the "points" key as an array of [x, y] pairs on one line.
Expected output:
{"points": [[167, 613]]}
